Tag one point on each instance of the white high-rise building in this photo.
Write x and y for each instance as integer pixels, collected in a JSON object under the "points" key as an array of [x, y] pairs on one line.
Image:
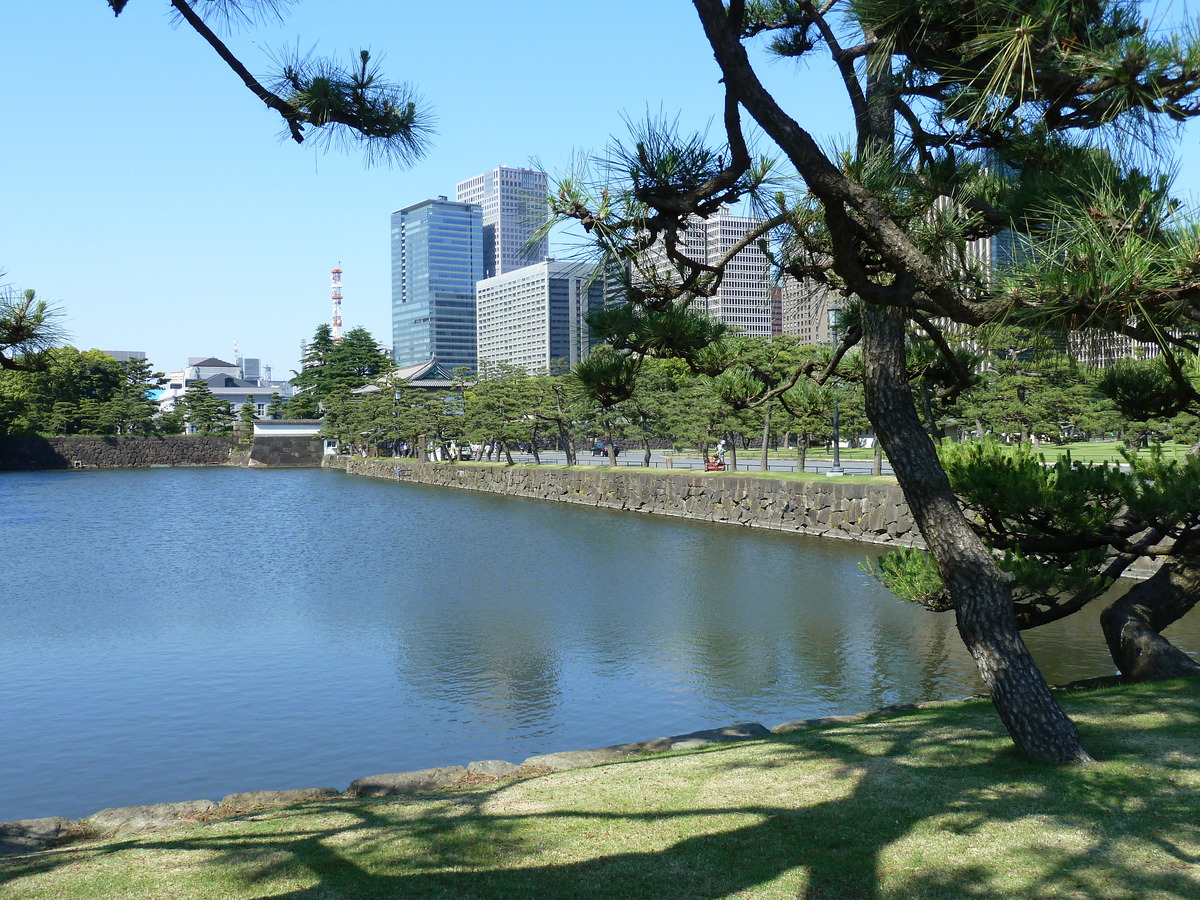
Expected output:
{"points": [[534, 316], [514, 207], [806, 306], [744, 298]]}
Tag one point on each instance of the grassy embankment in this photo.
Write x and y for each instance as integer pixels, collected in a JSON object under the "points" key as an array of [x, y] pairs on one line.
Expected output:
{"points": [[740, 473], [1084, 451], [927, 804]]}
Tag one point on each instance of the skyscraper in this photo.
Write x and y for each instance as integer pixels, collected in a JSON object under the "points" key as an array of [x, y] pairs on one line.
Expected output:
{"points": [[437, 256], [535, 315], [514, 206], [744, 298]]}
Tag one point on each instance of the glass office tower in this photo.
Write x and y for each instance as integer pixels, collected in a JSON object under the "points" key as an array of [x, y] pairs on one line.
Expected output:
{"points": [[437, 256]]}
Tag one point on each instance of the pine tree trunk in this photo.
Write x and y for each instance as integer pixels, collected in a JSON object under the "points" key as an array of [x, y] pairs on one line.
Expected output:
{"points": [[763, 462], [568, 446], [1132, 624], [981, 593]]}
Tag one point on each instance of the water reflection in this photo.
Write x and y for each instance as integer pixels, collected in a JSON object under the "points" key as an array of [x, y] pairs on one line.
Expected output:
{"points": [[189, 633]]}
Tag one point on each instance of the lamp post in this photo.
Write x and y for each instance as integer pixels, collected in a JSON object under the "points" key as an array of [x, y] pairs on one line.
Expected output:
{"points": [[835, 315]]}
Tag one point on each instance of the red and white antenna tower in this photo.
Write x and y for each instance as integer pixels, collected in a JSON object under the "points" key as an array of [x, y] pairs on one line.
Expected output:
{"points": [[337, 303]]}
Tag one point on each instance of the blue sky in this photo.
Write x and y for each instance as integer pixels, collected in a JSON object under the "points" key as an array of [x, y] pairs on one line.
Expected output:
{"points": [[146, 192]]}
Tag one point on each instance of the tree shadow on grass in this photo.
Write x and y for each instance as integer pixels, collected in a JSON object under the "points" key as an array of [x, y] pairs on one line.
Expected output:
{"points": [[944, 779]]}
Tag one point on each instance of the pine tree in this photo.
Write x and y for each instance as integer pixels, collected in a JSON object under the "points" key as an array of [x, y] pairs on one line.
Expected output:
{"points": [[247, 418], [966, 125]]}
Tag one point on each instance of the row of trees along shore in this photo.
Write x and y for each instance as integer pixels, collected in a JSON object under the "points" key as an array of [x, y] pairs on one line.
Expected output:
{"points": [[971, 121], [1025, 400], [66, 391]]}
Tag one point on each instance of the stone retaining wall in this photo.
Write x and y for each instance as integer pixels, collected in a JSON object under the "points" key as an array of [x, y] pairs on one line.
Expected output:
{"points": [[286, 451], [833, 508], [86, 452]]}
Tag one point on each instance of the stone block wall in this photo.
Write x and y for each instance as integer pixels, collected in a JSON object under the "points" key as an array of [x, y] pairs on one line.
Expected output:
{"points": [[832, 508], [290, 451], [114, 452]]}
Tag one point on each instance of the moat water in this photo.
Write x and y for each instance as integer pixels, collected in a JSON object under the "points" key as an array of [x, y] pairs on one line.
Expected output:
{"points": [[175, 634]]}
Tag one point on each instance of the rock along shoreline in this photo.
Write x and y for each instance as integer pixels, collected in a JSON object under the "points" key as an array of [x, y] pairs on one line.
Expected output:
{"points": [[32, 835]]}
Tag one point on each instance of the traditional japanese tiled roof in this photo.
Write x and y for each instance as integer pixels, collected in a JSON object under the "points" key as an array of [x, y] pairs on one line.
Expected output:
{"points": [[429, 374]]}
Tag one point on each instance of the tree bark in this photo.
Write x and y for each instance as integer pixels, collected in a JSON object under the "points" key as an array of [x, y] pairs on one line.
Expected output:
{"points": [[1132, 624], [763, 462], [855, 216], [981, 593]]}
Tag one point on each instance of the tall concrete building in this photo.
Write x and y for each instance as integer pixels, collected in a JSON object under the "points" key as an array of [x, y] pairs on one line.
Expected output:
{"points": [[437, 256], [805, 309], [744, 299], [514, 206], [534, 316]]}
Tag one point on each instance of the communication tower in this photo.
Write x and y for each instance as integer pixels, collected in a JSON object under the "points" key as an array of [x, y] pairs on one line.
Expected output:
{"points": [[337, 303]]}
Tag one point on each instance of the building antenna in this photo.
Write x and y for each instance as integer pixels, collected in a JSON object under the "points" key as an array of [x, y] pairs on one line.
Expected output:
{"points": [[337, 302]]}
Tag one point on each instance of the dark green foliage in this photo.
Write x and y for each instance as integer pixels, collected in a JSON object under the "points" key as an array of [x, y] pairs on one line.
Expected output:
{"points": [[302, 406], [319, 99], [989, 65], [673, 330], [503, 404], [79, 392], [133, 409], [329, 366], [28, 328], [204, 413], [1064, 531], [247, 418], [607, 376], [1144, 389]]}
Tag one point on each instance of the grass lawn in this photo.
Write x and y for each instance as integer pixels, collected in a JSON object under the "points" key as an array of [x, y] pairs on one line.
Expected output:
{"points": [[1084, 451], [700, 473], [1105, 451], [801, 476], [927, 804]]}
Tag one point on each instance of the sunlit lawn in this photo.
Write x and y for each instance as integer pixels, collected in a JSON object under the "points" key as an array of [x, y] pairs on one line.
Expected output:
{"points": [[929, 804], [1084, 451]]}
